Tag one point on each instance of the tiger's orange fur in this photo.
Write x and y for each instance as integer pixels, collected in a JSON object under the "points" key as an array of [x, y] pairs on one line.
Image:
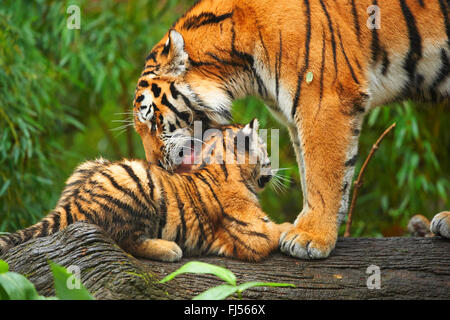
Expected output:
{"points": [[221, 50], [156, 214]]}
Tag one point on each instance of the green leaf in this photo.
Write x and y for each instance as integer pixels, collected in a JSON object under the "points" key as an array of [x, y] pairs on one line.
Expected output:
{"points": [[62, 279], [3, 266], [247, 285], [14, 286], [203, 268], [217, 293]]}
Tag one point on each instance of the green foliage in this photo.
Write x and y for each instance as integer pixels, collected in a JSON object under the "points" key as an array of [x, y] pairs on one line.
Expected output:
{"points": [[62, 89], [61, 278], [223, 291], [66, 96], [14, 286]]}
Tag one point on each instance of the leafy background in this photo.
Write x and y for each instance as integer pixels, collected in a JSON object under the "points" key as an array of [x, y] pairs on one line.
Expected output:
{"points": [[66, 96]]}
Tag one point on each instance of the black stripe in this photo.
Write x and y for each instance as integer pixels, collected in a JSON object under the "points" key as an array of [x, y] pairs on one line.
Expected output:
{"points": [[173, 91], [278, 66], [346, 58], [239, 222], [56, 222], [306, 62], [151, 56], [375, 42], [136, 180], [140, 98], [205, 18], [195, 209], [162, 214], [415, 43], [182, 115], [199, 196], [151, 186], [211, 176], [254, 233], [352, 161], [248, 58], [242, 243], [128, 192], [322, 69], [386, 63], [203, 179], [444, 5], [69, 217], [143, 83], [44, 228], [181, 237], [356, 21], [129, 210], [266, 52], [156, 90], [333, 40], [91, 218], [226, 62], [444, 71], [223, 167]]}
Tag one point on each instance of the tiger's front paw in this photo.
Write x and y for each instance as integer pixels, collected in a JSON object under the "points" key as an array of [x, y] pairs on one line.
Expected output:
{"points": [[306, 245], [440, 225]]}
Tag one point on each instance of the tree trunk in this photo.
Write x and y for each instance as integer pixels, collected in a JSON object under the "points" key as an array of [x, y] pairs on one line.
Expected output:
{"points": [[410, 268]]}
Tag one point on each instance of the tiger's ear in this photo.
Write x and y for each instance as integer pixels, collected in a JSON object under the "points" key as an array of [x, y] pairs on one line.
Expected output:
{"points": [[177, 57]]}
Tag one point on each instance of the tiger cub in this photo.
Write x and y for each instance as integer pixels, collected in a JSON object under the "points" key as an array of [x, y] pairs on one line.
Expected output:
{"points": [[156, 214]]}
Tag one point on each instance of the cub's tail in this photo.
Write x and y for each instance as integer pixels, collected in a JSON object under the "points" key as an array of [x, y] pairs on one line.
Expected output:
{"points": [[49, 225]]}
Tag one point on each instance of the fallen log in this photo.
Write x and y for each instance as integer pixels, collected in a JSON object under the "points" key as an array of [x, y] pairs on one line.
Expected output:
{"points": [[409, 268]]}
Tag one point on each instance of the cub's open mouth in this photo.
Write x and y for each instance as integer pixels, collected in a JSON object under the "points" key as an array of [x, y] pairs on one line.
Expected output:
{"points": [[187, 161]]}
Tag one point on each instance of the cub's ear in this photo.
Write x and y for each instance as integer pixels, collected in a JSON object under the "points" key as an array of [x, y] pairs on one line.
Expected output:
{"points": [[251, 129], [177, 57], [249, 136]]}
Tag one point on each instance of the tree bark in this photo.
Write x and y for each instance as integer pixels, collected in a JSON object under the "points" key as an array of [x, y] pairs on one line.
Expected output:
{"points": [[410, 268]]}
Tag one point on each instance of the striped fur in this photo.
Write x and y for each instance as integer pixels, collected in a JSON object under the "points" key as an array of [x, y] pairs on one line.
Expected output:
{"points": [[221, 50], [156, 214]]}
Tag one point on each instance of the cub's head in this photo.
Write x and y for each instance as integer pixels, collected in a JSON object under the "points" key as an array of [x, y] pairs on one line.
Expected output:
{"points": [[172, 93], [239, 150]]}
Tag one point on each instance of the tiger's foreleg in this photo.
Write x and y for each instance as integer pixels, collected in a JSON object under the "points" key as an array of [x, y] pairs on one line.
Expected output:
{"points": [[325, 140], [248, 235]]}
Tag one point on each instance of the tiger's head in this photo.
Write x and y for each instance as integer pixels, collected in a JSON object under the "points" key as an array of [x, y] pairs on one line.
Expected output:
{"points": [[172, 92], [239, 150]]}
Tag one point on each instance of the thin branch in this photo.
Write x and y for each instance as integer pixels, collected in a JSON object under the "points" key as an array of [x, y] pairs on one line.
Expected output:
{"points": [[359, 181]]}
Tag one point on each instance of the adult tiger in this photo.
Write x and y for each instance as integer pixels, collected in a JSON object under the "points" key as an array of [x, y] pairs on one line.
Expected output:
{"points": [[222, 50]]}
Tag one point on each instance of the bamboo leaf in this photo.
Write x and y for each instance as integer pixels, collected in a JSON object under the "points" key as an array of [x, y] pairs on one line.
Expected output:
{"points": [[217, 293], [203, 268]]}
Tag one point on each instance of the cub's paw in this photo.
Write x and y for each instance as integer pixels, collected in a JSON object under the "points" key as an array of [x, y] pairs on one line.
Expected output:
{"points": [[440, 225], [172, 253], [306, 245]]}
